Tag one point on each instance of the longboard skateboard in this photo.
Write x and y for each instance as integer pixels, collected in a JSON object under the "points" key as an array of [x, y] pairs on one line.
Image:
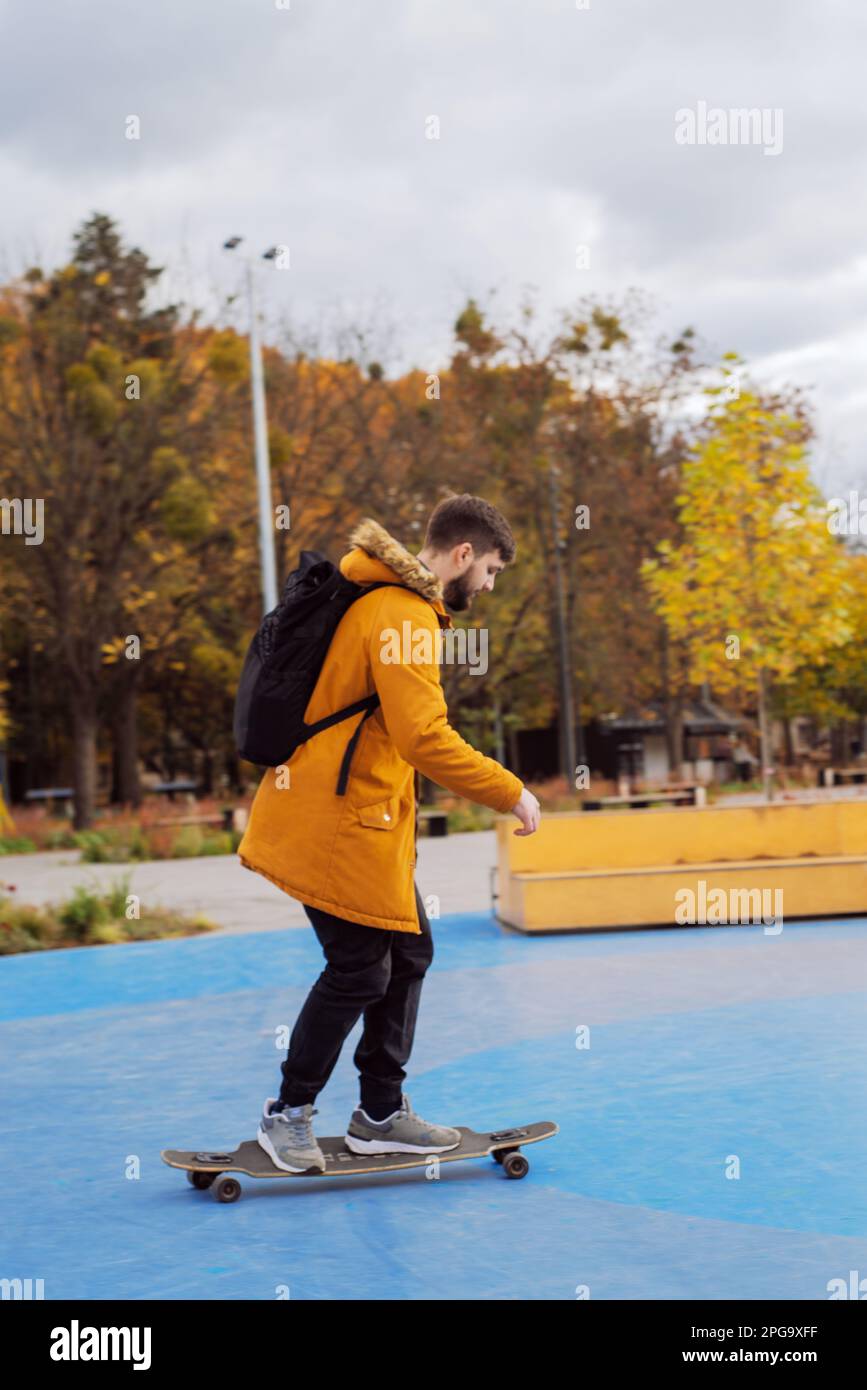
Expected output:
{"points": [[207, 1169]]}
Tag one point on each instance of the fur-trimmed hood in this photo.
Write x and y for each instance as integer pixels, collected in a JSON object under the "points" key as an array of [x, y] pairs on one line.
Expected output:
{"points": [[375, 550]]}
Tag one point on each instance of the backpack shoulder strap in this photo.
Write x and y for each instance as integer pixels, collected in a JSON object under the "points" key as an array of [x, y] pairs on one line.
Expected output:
{"points": [[365, 706]]}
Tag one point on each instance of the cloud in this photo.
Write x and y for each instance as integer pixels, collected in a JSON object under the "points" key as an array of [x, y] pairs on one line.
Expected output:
{"points": [[306, 126]]}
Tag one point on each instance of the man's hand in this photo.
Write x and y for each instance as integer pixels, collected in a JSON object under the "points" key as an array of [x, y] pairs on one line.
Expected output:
{"points": [[528, 811]]}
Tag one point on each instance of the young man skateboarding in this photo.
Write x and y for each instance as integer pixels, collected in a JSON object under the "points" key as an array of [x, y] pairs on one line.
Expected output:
{"points": [[350, 859]]}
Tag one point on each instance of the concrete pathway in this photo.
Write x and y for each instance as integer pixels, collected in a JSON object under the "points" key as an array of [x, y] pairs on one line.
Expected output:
{"points": [[456, 868]]}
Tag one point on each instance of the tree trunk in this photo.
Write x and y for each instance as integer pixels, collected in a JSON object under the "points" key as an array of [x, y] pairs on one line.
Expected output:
{"points": [[514, 760], [765, 738], [674, 735], [168, 750], [127, 788], [673, 714], [233, 770], [790, 742], [499, 740], [84, 771], [566, 740], [576, 674], [207, 773]]}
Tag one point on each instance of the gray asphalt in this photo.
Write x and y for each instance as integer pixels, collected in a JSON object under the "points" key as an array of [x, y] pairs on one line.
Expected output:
{"points": [[455, 868]]}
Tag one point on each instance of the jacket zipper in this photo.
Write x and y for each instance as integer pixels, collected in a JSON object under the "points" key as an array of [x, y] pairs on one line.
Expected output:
{"points": [[415, 780]]}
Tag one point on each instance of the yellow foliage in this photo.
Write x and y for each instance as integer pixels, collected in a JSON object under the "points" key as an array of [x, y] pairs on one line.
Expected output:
{"points": [[757, 562]]}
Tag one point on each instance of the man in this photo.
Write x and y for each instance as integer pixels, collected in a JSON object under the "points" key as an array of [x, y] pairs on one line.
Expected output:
{"points": [[350, 859]]}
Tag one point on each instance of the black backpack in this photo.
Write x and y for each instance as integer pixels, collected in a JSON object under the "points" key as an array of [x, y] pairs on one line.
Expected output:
{"points": [[283, 663]]}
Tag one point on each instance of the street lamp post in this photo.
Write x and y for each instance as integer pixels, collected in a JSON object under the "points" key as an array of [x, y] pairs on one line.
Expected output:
{"points": [[260, 438]]}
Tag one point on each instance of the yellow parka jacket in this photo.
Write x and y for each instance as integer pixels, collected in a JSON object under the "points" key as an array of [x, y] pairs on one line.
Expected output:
{"points": [[354, 855]]}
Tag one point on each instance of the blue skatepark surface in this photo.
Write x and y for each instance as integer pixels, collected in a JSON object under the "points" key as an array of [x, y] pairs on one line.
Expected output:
{"points": [[711, 1050]]}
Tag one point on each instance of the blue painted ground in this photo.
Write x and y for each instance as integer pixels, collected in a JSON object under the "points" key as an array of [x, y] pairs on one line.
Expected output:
{"points": [[708, 1047]]}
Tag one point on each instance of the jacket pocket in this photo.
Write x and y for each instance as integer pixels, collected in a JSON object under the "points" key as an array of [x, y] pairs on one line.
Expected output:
{"points": [[382, 815]]}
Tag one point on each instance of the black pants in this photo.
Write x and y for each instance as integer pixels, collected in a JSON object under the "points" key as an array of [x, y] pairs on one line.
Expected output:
{"points": [[369, 971]]}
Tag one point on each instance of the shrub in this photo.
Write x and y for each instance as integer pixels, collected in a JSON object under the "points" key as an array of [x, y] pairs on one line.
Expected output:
{"points": [[113, 845], [470, 818], [82, 912], [89, 918], [220, 843], [160, 841], [25, 928], [94, 846], [60, 839], [106, 934], [116, 895], [14, 939], [187, 842]]}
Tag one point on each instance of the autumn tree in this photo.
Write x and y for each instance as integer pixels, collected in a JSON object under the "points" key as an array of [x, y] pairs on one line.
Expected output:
{"points": [[757, 588], [96, 421]]}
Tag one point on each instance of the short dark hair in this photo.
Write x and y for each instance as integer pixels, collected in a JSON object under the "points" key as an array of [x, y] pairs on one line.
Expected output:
{"points": [[466, 518]]}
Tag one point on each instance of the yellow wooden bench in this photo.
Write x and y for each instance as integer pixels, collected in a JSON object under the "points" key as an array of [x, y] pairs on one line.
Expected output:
{"points": [[633, 868]]}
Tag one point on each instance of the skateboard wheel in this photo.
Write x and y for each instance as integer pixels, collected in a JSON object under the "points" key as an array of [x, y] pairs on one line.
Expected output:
{"points": [[515, 1165], [200, 1180], [226, 1189], [499, 1155]]}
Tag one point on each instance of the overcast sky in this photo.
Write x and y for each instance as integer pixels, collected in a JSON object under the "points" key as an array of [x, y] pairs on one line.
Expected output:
{"points": [[305, 126]]}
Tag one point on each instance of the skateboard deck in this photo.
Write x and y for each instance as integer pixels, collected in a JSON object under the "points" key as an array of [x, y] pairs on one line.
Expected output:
{"points": [[206, 1169]]}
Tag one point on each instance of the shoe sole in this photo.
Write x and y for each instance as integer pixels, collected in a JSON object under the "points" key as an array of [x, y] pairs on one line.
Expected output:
{"points": [[382, 1146], [265, 1143]]}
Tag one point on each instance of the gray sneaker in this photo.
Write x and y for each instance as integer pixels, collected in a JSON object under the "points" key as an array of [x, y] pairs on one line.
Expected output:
{"points": [[404, 1132], [288, 1139]]}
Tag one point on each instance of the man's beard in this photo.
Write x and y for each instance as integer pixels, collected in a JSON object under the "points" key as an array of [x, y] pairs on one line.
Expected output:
{"points": [[457, 594]]}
